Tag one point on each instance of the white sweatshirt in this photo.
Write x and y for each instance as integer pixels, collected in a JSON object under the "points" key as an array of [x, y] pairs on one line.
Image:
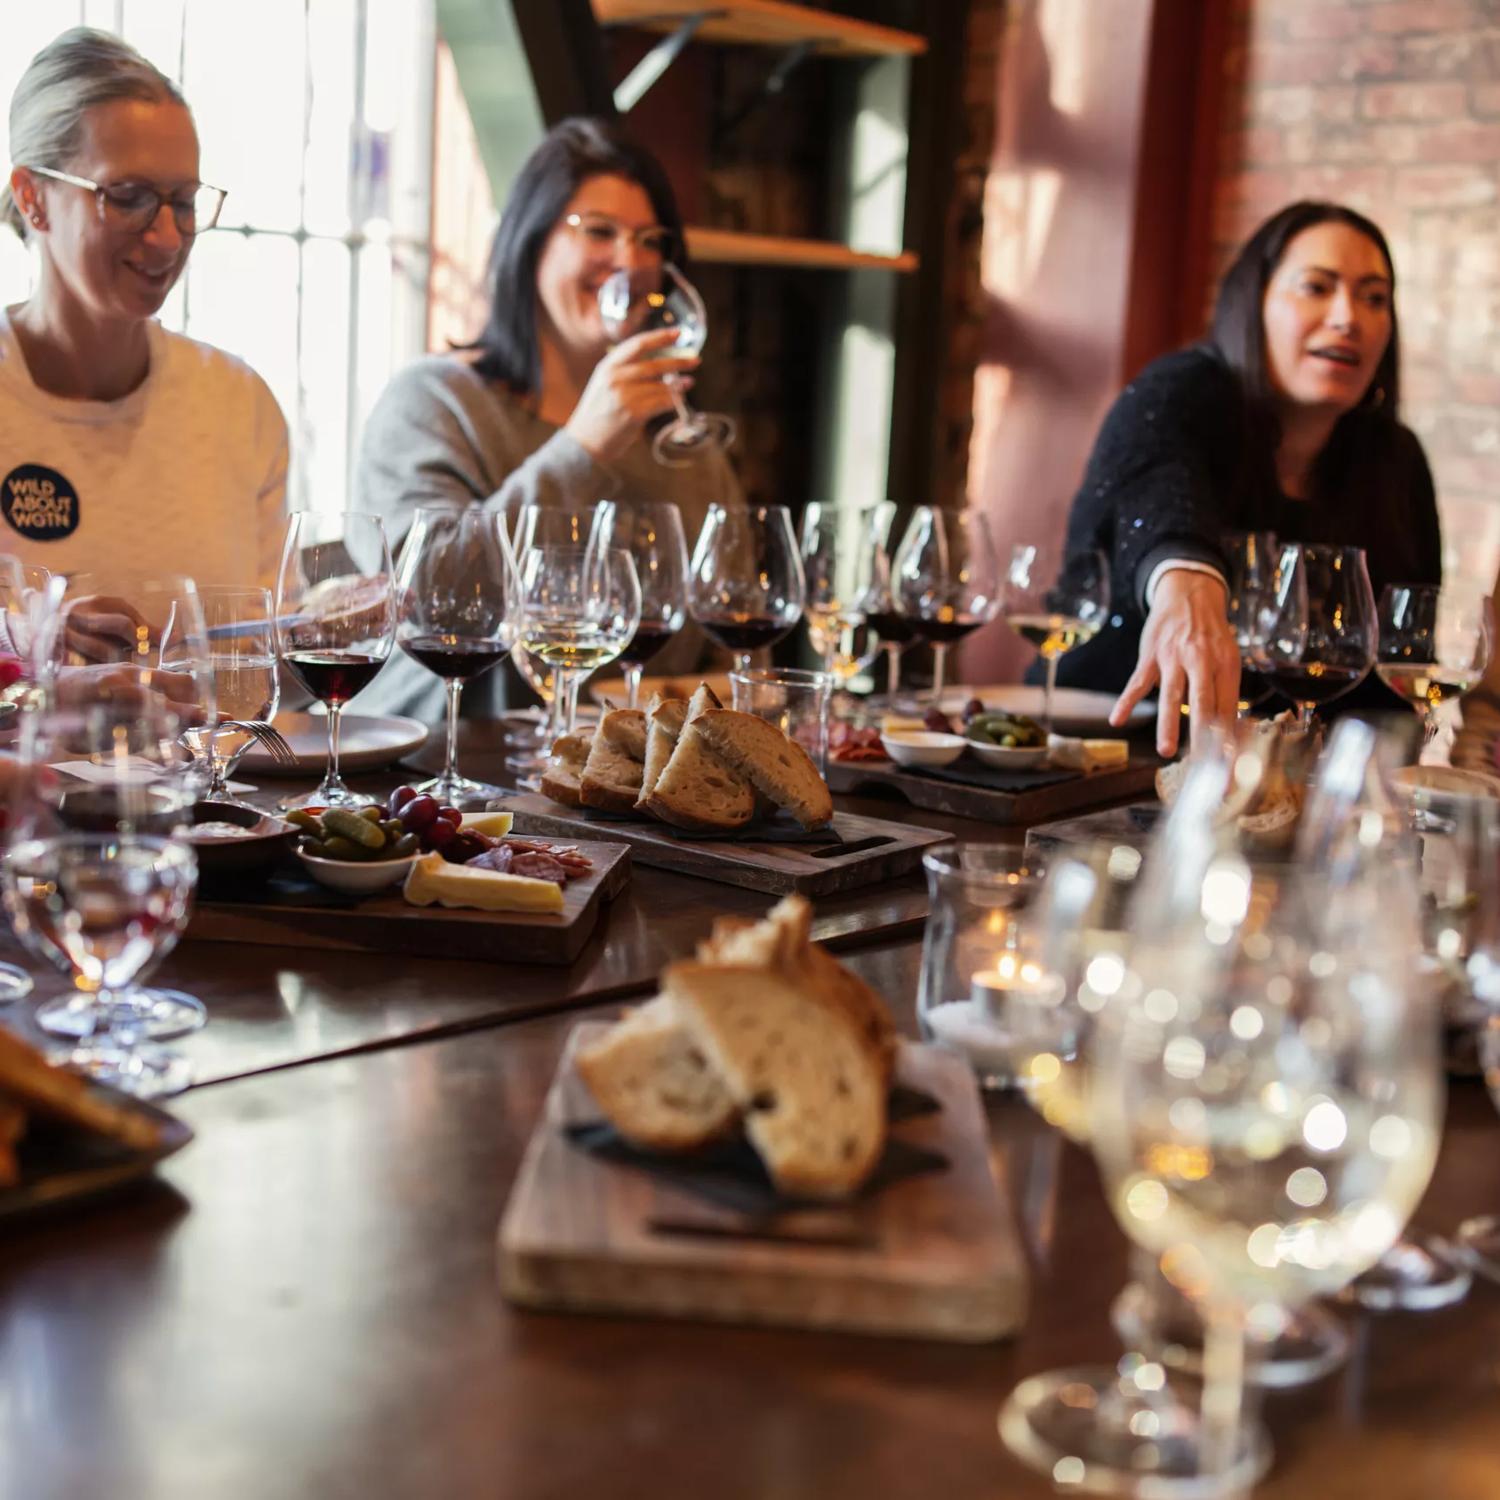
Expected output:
{"points": [[186, 474]]}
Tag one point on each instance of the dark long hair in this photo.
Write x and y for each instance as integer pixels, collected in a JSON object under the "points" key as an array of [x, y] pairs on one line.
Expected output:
{"points": [[1360, 465], [573, 151]]}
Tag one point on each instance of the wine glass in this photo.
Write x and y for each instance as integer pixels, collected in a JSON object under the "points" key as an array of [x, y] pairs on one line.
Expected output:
{"points": [[335, 621], [101, 907], [1434, 644], [746, 587], [893, 630], [1336, 649], [656, 297], [241, 656], [651, 532], [1252, 581], [1054, 609], [1478, 1237], [579, 608], [457, 609], [838, 569]]}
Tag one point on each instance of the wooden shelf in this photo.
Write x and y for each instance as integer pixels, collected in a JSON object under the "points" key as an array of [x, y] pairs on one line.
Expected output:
{"points": [[732, 247], [764, 23]]}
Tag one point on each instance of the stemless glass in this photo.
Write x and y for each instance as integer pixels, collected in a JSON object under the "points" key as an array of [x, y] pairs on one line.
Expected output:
{"points": [[838, 569], [651, 532], [579, 608], [657, 297], [1337, 648], [457, 610], [101, 907], [945, 579], [1252, 585], [335, 621], [746, 587], [1434, 644], [1054, 608]]}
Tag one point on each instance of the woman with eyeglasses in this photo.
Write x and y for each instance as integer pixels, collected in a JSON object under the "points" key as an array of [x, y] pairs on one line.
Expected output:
{"points": [[542, 406], [123, 446]]}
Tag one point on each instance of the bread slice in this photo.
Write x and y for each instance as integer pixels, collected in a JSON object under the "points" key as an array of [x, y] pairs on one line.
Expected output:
{"points": [[810, 1089], [774, 765], [12, 1128], [33, 1084], [697, 791], [703, 699], [625, 729], [654, 1083], [664, 720], [560, 780], [611, 778]]}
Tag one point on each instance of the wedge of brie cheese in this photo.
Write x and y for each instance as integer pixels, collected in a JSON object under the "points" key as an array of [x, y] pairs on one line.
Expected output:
{"points": [[432, 881], [495, 824], [1086, 755]]}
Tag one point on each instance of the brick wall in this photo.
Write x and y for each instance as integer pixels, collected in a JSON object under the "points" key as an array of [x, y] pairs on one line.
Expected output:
{"points": [[1392, 106]]}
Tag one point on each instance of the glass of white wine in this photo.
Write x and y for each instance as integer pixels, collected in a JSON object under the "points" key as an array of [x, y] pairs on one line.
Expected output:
{"points": [[1054, 609], [1434, 644]]}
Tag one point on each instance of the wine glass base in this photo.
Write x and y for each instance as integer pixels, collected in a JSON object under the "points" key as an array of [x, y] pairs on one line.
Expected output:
{"points": [[324, 797], [461, 792], [1313, 1343], [1479, 1244], [160, 1014], [15, 983], [1121, 1431], [685, 441], [144, 1072], [1412, 1276]]}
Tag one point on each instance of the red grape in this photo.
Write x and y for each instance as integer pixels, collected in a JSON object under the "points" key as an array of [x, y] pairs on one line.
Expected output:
{"points": [[452, 814], [400, 798], [438, 833], [419, 812]]}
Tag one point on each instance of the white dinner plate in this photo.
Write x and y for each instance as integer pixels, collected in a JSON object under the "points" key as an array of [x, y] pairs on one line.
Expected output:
{"points": [[678, 685], [365, 744], [1074, 710]]}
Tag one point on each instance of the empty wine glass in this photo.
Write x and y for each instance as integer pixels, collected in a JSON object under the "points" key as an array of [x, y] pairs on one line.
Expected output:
{"points": [[457, 613], [651, 532], [1253, 559], [838, 569], [335, 621], [945, 580], [1434, 644], [101, 907], [746, 587], [1054, 608], [657, 297], [1321, 636]]}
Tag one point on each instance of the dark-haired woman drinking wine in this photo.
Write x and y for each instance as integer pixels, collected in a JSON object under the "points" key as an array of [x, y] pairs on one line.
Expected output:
{"points": [[1285, 419]]}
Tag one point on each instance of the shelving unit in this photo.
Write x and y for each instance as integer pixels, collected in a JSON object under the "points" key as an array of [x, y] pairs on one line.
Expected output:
{"points": [[764, 23], [735, 248]]}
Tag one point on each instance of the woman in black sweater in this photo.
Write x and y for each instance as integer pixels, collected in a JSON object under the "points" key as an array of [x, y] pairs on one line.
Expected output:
{"points": [[1285, 419]]}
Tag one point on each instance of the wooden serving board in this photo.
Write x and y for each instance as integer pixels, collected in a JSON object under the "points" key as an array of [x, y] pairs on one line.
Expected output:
{"points": [[868, 850], [933, 1256], [294, 911], [998, 804]]}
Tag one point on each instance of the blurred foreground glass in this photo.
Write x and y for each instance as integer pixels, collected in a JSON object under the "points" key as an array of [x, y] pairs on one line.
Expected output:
{"points": [[1479, 1237], [795, 701]]}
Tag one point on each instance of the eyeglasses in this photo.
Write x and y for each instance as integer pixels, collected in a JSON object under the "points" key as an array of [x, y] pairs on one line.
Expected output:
{"points": [[135, 205], [601, 234]]}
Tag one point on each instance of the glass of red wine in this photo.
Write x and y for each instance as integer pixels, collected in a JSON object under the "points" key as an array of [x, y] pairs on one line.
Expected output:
{"points": [[746, 587], [892, 628], [651, 532], [335, 621], [946, 580], [456, 614], [1325, 589]]}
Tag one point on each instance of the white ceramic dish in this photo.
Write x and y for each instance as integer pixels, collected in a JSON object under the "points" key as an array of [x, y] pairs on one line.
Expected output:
{"points": [[365, 744], [1009, 757], [1074, 710], [357, 877], [914, 747]]}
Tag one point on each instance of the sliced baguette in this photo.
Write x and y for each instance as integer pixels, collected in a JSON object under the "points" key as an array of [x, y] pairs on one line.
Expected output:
{"points": [[697, 791], [812, 1094], [703, 699], [654, 1083], [611, 778], [664, 721], [33, 1084], [560, 780], [625, 729], [776, 766]]}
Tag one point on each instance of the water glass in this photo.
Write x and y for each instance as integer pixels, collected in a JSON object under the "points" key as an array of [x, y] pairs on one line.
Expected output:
{"points": [[795, 701]]}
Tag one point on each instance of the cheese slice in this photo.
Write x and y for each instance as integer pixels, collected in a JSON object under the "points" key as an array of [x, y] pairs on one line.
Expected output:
{"points": [[495, 824], [901, 724], [1086, 755], [432, 881]]}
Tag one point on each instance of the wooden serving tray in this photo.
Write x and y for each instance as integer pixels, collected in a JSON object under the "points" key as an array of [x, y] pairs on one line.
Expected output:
{"points": [[998, 804], [871, 850], [294, 911], [933, 1256]]}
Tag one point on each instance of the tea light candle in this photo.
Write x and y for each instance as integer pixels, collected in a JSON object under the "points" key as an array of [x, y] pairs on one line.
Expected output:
{"points": [[982, 1026]]}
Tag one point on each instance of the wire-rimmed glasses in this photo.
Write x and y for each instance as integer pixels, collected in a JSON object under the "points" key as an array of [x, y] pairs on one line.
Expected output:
{"points": [[135, 205], [746, 587]]}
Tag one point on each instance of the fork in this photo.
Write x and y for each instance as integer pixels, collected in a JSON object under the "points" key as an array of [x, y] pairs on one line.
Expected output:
{"points": [[268, 736]]}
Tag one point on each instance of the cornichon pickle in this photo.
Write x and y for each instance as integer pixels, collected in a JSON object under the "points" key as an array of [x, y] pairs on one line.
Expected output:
{"points": [[372, 813], [315, 847], [306, 821], [339, 847], [980, 736], [407, 844], [394, 830], [350, 825]]}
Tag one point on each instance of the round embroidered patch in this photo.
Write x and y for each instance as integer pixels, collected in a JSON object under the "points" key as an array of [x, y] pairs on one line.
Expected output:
{"points": [[38, 503]]}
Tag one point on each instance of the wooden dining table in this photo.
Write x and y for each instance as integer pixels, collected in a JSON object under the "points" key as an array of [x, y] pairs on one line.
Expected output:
{"points": [[303, 1302]]}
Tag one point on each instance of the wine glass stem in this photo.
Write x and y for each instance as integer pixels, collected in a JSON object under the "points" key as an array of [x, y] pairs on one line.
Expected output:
{"points": [[1306, 714], [892, 672], [747, 660], [567, 690], [939, 670], [633, 672], [1223, 1388], [1051, 684], [679, 402], [335, 710], [455, 687]]}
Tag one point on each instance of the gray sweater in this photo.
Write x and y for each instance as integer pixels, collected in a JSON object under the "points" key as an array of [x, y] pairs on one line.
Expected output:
{"points": [[442, 434]]}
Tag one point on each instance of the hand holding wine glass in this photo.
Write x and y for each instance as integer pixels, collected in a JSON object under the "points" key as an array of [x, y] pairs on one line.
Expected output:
{"points": [[1434, 644], [746, 587], [1055, 609], [335, 620]]}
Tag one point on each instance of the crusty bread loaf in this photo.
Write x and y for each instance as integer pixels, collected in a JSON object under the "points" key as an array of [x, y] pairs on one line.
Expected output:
{"points": [[625, 729], [654, 1082], [611, 777], [12, 1128], [561, 778], [664, 720], [39, 1088], [810, 1088], [774, 764], [697, 791], [703, 699]]}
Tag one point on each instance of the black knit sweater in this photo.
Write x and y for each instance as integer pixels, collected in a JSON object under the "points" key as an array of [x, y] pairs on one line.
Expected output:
{"points": [[1170, 475]]}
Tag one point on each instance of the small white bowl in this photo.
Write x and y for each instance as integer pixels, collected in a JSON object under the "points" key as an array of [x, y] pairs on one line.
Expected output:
{"points": [[1009, 757], [357, 877], [920, 747]]}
